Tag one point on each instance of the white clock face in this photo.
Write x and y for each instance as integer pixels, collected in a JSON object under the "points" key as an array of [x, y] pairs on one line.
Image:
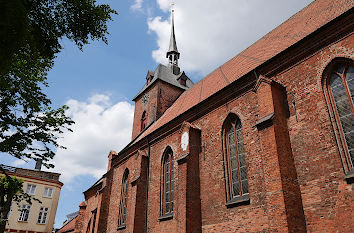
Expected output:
{"points": [[184, 140]]}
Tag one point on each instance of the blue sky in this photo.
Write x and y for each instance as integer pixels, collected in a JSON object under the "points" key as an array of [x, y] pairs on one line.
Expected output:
{"points": [[99, 82]]}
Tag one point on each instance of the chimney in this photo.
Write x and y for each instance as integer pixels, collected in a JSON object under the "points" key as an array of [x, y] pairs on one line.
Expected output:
{"points": [[38, 164]]}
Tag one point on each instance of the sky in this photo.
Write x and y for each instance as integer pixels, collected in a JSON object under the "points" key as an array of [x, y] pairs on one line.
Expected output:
{"points": [[99, 83]]}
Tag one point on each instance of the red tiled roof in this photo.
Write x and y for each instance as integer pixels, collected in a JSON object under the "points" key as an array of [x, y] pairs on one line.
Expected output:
{"points": [[69, 227], [300, 25], [83, 204]]}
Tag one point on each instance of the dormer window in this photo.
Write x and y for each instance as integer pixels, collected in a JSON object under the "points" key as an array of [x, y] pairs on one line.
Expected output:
{"points": [[149, 77], [143, 121], [148, 80], [183, 82]]}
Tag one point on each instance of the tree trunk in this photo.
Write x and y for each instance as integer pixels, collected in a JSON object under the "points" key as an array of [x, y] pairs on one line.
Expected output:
{"points": [[2, 227], [5, 205]]}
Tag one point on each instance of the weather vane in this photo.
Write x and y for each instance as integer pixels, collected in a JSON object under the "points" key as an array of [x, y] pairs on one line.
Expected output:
{"points": [[172, 5]]}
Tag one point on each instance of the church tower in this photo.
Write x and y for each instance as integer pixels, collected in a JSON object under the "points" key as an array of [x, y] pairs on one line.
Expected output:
{"points": [[162, 87]]}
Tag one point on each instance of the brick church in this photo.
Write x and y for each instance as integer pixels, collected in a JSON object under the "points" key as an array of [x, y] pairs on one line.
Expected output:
{"points": [[264, 143]]}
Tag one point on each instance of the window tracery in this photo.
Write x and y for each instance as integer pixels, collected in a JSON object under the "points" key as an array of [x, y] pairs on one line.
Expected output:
{"points": [[339, 85], [122, 216], [235, 161], [167, 183]]}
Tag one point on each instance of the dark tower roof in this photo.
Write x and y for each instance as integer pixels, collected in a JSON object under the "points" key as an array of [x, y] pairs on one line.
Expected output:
{"points": [[173, 45], [164, 73]]}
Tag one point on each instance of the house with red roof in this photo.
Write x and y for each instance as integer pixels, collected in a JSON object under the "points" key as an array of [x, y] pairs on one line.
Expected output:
{"points": [[264, 143]]}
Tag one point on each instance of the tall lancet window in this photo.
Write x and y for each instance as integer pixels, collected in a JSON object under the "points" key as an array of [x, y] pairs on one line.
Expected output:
{"points": [[167, 180], [340, 91], [122, 215], [143, 120], [235, 161]]}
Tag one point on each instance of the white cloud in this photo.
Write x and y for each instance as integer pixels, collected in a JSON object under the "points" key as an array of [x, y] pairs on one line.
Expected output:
{"points": [[164, 4], [210, 32], [20, 162], [137, 6], [100, 126]]}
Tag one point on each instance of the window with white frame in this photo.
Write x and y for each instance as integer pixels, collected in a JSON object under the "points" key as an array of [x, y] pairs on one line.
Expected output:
{"points": [[24, 213], [31, 189], [43, 215], [48, 192]]}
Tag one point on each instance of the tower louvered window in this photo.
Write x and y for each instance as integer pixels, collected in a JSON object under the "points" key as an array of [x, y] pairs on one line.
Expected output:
{"points": [[122, 217], [167, 183], [340, 89], [236, 170]]}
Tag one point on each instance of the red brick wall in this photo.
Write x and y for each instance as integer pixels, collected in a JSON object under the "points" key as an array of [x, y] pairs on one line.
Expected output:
{"points": [[327, 197], [150, 109], [216, 217], [92, 201], [161, 96], [136, 192], [294, 169], [168, 95], [156, 152]]}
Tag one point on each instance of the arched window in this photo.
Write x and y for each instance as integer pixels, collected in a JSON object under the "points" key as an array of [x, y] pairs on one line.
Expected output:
{"points": [[235, 161], [339, 85], [167, 183], [94, 220], [143, 120], [123, 200]]}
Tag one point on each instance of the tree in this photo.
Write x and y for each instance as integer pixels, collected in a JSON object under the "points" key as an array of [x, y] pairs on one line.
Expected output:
{"points": [[31, 32], [42, 24], [11, 191], [30, 36]]}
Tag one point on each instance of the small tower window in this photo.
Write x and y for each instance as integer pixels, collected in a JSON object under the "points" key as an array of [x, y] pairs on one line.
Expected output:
{"points": [[183, 82], [143, 120]]}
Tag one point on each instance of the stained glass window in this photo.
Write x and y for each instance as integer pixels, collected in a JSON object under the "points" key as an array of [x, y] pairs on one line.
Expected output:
{"points": [[167, 183], [341, 93], [123, 200], [237, 182]]}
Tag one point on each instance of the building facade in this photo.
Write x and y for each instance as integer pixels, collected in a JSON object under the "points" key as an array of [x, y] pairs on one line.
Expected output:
{"points": [[36, 217], [264, 143]]}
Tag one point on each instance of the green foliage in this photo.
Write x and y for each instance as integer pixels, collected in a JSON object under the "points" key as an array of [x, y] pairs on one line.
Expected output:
{"points": [[42, 24], [11, 191], [30, 36], [29, 127]]}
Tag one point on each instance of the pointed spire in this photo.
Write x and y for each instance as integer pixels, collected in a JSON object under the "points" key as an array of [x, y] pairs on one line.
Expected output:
{"points": [[172, 53], [173, 44]]}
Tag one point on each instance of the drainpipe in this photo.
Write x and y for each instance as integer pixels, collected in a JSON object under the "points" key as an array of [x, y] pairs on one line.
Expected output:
{"points": [[147, 185]]}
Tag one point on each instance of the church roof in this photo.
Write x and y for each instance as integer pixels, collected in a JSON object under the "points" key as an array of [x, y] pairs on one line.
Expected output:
{"points": [[296, 28], [68, 227], [165, 74]]}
